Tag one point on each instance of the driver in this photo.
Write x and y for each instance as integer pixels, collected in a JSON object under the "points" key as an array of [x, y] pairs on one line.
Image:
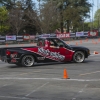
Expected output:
{"points": [[53, 44]]}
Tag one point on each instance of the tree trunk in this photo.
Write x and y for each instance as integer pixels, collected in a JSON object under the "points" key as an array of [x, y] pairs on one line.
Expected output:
{"points": [[61, 23]]}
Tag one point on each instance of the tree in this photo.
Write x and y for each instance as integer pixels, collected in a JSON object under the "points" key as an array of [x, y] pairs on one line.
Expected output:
{"points": [[97, 19], [16, 18], [31, 17], [22, 16], [9, 4], [84, 26], [3, 19], [72, 12], [75, 12], [49, 17]]}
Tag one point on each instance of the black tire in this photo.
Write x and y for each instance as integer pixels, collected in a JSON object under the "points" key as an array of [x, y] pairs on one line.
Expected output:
{"points": [[79, 57], [28, 61]]}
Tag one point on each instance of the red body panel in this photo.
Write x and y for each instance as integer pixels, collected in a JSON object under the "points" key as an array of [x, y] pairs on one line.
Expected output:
{"points": [[58, 54]]}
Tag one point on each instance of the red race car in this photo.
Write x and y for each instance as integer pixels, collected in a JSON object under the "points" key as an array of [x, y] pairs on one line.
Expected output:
{"points": [[47, 50]]}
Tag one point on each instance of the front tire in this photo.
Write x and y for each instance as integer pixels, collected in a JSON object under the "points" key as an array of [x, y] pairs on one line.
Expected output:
{"points": [[28, 61], [79, 57]]}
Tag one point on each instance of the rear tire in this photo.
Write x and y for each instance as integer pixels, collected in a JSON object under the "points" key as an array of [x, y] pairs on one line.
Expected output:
{"points": [[79, 57], [28, 61]]}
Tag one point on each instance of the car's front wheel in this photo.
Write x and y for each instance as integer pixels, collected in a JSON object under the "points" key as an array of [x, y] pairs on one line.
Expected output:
{"points": [[78, 57], [28, 61]]}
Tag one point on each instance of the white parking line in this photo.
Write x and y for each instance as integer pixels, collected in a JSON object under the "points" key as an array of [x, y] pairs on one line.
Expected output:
{"points": [[79, 92], [90, 73], [54, 79], [37, 89], [11, 97]]}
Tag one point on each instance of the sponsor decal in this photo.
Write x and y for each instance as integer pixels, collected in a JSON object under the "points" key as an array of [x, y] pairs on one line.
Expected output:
{"points": [[11, 38], [40, 58], [13, 55], [93, 33], [26, 37], [64, 35], [55, 55], [32, 37], [13, 60], [79, 34]]}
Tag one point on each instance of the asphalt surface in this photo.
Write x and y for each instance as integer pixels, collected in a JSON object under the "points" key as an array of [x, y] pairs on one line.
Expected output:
{"points": [[45, 81]]}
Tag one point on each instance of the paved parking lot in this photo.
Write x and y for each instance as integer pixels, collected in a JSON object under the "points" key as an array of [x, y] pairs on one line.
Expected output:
{"points": [[45, 81]]}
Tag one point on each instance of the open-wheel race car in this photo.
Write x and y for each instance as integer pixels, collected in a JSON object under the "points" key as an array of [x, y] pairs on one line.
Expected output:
{"points": [[47, 50]]}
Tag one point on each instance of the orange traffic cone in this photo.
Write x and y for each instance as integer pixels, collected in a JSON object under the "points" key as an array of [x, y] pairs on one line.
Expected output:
{"points": [[65, 75], [99, 39], [76, 43], [80, 41], [67, 42], [96, 42], [95, 52], [6, 45], [87, 39]]}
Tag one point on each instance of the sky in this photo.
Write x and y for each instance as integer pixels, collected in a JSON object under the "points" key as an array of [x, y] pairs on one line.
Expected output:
{"points": [[96, 4]]}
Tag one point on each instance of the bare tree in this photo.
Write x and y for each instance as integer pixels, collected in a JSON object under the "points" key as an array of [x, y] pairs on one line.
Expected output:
{"points": [[23, 15], [16, 19], [33, 19], [31, 15], [49, 17]]}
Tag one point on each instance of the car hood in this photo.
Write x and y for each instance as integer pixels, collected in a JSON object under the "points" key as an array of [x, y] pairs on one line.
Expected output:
{"points": [[74, 47]]}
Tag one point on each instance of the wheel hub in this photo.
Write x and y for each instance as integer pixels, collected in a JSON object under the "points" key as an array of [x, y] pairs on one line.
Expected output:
{"points": [[79, 57], [28, 60]]}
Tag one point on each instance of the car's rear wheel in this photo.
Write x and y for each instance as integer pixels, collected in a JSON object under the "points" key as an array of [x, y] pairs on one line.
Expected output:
{"points": [[28, 61], [79, 57]]}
